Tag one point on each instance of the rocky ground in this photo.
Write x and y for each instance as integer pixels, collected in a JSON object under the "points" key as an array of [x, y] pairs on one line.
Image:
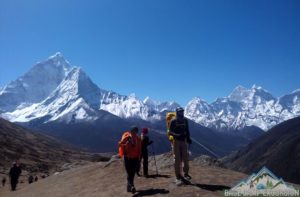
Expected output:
{"points": [[109, 179]]}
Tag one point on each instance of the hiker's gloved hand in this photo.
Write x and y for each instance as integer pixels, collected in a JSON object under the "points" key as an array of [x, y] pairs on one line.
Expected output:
{"points": [[189, 141], [176, 134]]}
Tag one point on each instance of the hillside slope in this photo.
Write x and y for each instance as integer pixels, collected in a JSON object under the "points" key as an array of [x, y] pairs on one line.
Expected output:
{"points": [[38, 153], [278, 149]]}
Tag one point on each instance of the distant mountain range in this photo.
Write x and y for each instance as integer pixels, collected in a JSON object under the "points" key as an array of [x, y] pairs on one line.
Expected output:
{"points": [[53, 90], [245, 107], [59, 99], [278, 150]]}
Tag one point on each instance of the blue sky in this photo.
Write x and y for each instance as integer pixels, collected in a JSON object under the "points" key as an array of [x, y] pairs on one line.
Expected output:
{"points": [[168, 50]]}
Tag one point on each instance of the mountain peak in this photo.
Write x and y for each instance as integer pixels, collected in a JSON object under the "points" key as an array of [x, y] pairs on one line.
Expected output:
{"points": [[150, 101], [197, 102], [132, 95], [198, 99], [296, 91], [75, 97], [36, 84], [56, 55], [147, 99], [56, 60], [79, 79], [239, 88], [239, 93], [256, 87], [261, 92]]}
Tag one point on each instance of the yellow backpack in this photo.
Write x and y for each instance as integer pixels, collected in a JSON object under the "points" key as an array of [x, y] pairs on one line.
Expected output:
{"points": [[169, 117]]}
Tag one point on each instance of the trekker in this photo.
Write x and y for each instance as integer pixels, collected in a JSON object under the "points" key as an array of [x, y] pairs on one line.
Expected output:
{"points": [[3, 181], [130, 148], [179, 129], [14, 174], [145, 143], [30, 179], [36, 178]]}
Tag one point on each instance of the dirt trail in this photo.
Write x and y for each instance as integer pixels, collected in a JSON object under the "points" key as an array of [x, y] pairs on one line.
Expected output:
{"points": [[100, 179]]}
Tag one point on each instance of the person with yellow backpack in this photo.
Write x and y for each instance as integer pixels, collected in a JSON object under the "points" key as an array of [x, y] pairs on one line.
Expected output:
{"points": [[130, 148], [179, 135]]}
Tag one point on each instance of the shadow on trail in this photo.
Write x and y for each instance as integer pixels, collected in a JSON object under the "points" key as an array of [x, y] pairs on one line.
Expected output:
{"points": [[154, 176], [208, 187], [212, 187], [150, 192]]}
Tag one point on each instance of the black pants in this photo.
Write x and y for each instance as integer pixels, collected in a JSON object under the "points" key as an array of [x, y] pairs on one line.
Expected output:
{"points": [[131, 166], [145, 163], [13, 183]]}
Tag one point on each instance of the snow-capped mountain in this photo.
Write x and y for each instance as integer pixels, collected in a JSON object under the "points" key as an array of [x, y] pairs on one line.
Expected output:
{"points": [[132, 107], [291, 102], [66, 93], [244, 107], [160, 106], [35, 85], [76, 98], [127, 107], [200, 111], [53, 90]]}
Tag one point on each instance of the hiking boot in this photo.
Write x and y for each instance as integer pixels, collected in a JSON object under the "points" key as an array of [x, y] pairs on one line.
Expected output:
{"points": [[128, 188], [133, 190], [178, 182], [187, 177]]}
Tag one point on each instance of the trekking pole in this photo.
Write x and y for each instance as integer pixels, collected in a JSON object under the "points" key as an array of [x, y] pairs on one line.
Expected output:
{"points": [[154, 158], [189, 150]]}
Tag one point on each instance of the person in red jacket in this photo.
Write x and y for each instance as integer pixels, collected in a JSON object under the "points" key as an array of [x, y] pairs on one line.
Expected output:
{"points": [[130, 148]]}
